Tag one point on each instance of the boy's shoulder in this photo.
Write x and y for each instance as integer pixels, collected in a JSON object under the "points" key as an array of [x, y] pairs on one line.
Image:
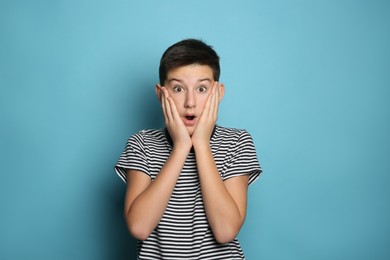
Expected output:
{"points": [[148, 134], [158, 131], [230, 134], [223, 130]]}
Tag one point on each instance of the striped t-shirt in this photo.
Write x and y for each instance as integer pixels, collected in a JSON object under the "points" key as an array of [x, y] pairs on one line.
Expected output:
{"points": [[183, 231]]}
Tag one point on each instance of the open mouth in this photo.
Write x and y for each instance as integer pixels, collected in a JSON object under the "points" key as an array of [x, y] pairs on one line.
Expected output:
{"points": [[189, 120]]}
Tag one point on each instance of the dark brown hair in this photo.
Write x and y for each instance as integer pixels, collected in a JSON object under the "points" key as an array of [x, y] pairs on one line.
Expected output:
{"points": [[187, 52]]}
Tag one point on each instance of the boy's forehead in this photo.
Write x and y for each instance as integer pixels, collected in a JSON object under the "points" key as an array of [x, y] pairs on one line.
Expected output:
{"points": [[193, 72]]}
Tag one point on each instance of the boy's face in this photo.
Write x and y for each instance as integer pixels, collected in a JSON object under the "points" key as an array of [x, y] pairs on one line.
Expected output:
{"points": [[189, 86]]}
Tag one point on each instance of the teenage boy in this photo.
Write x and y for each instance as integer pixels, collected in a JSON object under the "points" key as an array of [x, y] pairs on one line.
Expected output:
{"points": [[187, 183]]}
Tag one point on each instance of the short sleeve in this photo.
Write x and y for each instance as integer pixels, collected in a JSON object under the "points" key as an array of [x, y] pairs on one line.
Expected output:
{"points": [[243, 160], [133, 157]]}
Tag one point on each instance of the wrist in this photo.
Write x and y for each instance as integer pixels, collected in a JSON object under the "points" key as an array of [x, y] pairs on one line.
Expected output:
{"points": [[201, 146], [181, 148]]}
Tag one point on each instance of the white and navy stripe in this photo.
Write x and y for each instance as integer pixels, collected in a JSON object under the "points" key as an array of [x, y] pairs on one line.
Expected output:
{"points": [[183, 231]]}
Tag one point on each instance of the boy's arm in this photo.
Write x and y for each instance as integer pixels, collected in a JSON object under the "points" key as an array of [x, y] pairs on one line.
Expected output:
{"points": [[147, 200], [224, 201]]}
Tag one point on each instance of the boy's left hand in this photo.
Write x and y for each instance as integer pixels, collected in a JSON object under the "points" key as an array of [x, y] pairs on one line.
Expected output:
{"points": [[208, 119]]}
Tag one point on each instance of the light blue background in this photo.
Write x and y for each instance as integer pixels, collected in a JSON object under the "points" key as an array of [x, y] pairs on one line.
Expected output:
{"points": [[310, 80]]}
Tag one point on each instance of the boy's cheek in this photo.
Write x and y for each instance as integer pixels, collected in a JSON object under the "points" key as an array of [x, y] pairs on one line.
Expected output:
{"points": [[175, 99], [204, 104]]}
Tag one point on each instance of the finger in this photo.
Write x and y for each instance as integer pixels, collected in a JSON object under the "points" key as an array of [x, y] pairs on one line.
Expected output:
{"points": [[163, 105], [216, 105], [206, 109], [174, 113], [167, 106], [212, 102]]}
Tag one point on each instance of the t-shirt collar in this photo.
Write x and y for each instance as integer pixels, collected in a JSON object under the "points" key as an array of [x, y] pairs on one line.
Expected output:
{"points": [[170, 139]]}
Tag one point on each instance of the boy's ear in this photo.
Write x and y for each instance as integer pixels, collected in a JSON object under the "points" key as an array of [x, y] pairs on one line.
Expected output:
{"points": [[221, 90], [158, 92]]}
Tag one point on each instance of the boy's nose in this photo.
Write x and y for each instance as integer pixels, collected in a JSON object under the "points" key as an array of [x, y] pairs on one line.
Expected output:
{"points": [[190, 101]]}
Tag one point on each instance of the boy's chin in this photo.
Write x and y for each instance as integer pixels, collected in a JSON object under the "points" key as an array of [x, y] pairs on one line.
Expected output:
{"points": [[190, 130]]}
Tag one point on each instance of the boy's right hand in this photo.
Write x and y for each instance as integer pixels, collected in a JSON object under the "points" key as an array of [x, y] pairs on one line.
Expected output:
{"points": [[176, 128]]}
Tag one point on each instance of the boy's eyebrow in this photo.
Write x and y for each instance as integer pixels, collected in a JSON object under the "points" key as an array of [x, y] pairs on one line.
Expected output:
{"points": [[208, 79], [179, 80], [174, 79]]}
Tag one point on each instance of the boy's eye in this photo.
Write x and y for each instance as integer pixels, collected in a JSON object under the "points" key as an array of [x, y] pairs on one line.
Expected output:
{"points": [[177, 89], [202, 89]]}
